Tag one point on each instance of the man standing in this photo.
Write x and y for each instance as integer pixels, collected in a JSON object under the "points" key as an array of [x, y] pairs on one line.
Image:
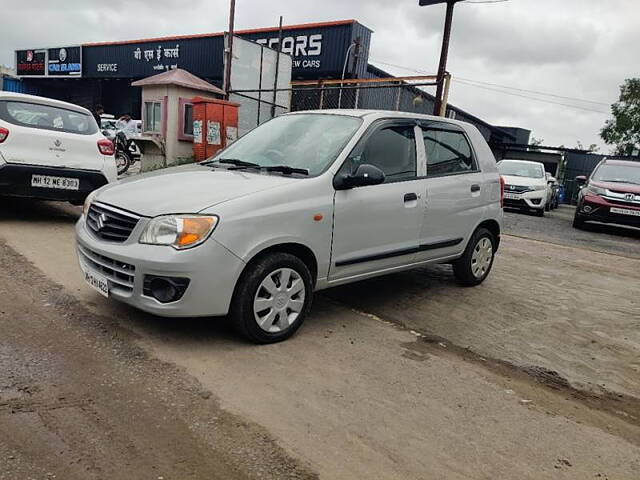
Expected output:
{"points": [[127, 126], [97, 112]]}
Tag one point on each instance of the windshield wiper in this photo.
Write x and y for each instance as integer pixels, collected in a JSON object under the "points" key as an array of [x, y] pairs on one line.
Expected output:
{"points": [[286, 169], [238, 163]]}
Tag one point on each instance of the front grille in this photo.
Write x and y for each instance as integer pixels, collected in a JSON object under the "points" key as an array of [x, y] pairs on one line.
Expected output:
{"points": [[119, 273], [109, 223], [516, 189]]}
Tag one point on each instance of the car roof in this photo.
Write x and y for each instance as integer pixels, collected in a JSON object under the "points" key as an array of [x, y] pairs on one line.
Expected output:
{"points": [[628, 163], [376, 114], [23, 97]]}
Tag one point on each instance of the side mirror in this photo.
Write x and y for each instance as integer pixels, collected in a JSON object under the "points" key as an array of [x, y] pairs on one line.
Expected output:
{"points": [[365, 175], [581, 179]]}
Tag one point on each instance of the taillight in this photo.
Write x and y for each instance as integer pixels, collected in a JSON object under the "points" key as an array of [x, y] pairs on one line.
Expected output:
{"points": [[501, 191], [4, 133], [106, 146]]}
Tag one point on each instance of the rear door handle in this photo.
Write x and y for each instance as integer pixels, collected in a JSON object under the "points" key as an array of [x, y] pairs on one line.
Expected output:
{"points": [[408, 197], [475, 187]]}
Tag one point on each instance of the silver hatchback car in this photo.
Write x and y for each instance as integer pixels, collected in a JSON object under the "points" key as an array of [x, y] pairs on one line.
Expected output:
{"points": [[304, 202]]}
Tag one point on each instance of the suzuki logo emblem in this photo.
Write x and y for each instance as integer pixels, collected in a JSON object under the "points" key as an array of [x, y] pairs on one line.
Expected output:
{"points": [[57, 143], [101, 220], [630, 196]]}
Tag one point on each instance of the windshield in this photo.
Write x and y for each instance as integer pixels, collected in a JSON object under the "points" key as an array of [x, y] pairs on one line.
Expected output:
{"points": [[520, 169], [617, 174], [305, 141]]}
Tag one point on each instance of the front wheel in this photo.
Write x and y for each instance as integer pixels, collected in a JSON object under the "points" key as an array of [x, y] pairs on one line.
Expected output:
{"points": [[476, 261], [540, 212], [272, 298], [122, 162]]}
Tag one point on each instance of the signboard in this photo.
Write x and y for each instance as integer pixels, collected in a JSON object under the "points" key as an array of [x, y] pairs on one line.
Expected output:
{"points": [[314, 50], [31, 62], [64, 61], [201, 56]]}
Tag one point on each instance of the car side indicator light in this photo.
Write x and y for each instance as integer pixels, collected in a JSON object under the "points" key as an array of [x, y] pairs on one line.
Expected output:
{"points": [[318, 217]]}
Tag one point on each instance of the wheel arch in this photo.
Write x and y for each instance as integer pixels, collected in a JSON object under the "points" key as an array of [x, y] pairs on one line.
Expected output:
{"points": [[494, 227], [299, 250]]}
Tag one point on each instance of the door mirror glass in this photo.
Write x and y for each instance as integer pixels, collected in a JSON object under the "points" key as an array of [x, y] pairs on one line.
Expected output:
{"points": [[364, 175]]}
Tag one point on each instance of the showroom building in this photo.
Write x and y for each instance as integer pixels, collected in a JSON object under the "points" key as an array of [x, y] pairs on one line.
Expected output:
{"points": [[102, 73]]}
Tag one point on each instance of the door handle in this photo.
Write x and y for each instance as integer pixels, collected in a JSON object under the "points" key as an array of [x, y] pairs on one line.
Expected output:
{"points": [[408, 197], [475, 187]]}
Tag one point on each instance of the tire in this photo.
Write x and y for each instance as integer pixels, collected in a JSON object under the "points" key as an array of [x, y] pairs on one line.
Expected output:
{"points": [[467, 264], [547, 207], [285, 311], [540, 212], [123, 162]]}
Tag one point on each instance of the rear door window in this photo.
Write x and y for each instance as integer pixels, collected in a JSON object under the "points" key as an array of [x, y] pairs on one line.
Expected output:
{"points": [[448, 152], [47, 117]]}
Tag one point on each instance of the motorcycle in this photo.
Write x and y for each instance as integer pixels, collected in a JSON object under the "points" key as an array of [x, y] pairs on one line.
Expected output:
{"points": [[126, 151]]}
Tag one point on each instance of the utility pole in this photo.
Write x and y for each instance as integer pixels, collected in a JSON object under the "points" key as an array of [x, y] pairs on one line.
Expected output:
{"points": [[229, 50], [444, 53]]}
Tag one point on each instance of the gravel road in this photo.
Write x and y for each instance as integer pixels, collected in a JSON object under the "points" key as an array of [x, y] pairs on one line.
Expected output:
{"points": [[409, 376]]}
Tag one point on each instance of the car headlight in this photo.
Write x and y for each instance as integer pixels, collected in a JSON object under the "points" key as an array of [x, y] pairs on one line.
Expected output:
{"points": [[593, 190], [87, 202], [179, 231]]}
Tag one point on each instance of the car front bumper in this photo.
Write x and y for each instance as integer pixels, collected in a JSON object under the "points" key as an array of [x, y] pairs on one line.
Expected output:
{"points": [[15, 181], [212, 271], [597, 209], [535, 200]]}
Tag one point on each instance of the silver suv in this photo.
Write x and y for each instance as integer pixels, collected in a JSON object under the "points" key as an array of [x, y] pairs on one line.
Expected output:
{"points": [[304, 202]]}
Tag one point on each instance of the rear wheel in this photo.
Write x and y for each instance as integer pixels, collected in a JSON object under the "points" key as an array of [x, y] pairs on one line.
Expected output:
{"points": [[122, 162], [476, 261], [272, 298]]}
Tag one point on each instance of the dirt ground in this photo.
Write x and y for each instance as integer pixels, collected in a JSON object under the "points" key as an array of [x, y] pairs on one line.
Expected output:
{"points": [[534, 374]]}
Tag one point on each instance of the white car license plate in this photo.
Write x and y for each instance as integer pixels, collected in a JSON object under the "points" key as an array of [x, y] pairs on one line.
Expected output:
{"points": [[511, 196], [61, 183], [97, 282], [625, 211]]}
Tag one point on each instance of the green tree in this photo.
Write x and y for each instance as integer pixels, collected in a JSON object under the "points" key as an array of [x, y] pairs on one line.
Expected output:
{"points": [[623, 130]]}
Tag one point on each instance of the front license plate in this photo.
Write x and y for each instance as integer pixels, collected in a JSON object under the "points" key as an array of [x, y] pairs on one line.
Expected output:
{"points": [[625, 211], [511, 196], [60, 183], [97, 282]]}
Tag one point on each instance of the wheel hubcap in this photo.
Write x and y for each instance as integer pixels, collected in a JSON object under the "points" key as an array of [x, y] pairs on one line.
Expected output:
{"points": [[481, 257], [279, 300]]}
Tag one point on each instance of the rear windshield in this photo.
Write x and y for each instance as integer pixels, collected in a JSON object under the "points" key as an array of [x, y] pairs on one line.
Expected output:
{"points": [[520, 169], [46, 117]]}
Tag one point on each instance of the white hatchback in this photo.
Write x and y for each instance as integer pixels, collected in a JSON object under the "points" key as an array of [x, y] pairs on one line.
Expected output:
{"points": [[51, 150]]}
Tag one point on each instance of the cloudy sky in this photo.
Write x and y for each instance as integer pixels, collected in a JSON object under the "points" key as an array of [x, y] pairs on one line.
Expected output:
{"points": [[578, 51]]}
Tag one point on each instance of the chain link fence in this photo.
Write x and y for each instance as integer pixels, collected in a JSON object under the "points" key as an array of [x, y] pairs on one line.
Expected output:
{"points": [[378, 95]]}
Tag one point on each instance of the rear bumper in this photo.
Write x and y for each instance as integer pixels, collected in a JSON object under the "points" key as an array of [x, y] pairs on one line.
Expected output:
{"points": [[599, 210], [15, 180]]}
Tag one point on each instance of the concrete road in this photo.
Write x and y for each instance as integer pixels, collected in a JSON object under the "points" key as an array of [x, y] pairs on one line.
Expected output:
{"points": [[378, 384]]}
